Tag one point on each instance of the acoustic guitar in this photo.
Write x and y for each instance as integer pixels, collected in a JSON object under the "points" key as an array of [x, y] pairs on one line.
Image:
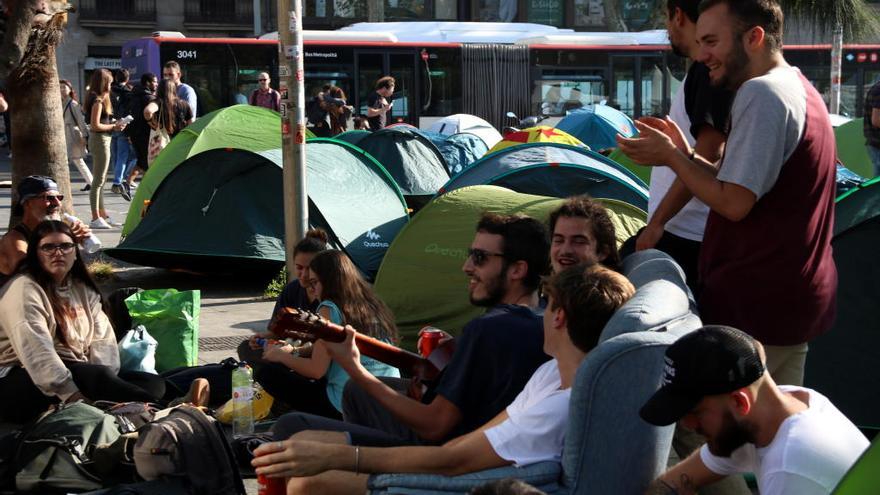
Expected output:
{"points": [[308, 326]]}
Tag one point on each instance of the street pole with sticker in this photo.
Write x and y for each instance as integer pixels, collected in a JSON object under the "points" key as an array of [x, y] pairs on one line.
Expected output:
{"points": [[293, 124]]}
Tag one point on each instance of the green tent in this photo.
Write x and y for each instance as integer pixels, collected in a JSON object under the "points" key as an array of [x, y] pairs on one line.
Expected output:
{"points": [[421, 278], [842, 362], [222, 210], [864, 476], [241, 127], [851, 148], [641, 171]]}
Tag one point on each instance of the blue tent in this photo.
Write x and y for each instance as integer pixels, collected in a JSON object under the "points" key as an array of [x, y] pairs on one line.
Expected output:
{"points": [[597, 126], [458, 150], [556, 170]]}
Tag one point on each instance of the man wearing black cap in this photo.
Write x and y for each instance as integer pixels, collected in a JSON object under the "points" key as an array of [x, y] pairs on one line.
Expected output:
{"points": [[792, 438], [38, 200]]}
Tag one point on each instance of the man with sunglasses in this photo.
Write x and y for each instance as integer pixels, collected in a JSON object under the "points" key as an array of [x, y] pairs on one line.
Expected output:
{"points": [[38, 200], [494, 358], [264, 96]]}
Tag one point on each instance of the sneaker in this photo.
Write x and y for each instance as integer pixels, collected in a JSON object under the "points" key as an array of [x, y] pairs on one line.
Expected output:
{"points": [[116, 188], [132, 186], [126, 195], [111, 223], [87, 187], [99, 223]]}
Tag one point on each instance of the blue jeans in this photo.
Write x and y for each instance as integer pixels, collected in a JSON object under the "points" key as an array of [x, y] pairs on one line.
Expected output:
{"points": [[874, 154], [123, 156]]}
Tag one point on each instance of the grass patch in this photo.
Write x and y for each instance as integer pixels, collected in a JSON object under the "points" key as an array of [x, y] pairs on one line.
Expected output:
{"points": [[101, 270], [273, 290]]}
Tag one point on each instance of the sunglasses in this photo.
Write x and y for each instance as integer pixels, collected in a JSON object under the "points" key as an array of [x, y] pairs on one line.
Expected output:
{"points": [[64, 247], [51, 197], [480, 256]]}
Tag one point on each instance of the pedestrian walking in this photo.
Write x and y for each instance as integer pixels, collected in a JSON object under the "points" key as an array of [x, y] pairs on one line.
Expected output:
{"points": [[76, 133], [99, 107], [264, 96]]}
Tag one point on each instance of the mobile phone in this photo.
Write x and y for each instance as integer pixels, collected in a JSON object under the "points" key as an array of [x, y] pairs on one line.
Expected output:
{"points": [[127, 119]]}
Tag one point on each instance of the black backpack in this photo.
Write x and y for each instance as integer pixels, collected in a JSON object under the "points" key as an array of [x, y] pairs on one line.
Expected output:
{"points": [[184, 443]]}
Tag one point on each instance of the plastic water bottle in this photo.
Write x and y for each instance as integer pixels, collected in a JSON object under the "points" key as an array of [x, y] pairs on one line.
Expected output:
{"points": [[242, 400], [91, 244]]}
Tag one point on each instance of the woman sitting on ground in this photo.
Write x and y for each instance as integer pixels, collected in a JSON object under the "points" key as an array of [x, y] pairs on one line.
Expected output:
{"points": [[294, 295], [56, 343], [315, 384]]}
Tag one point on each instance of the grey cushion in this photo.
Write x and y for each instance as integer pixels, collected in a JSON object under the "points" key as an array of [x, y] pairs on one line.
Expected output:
{"points": [[662, 297]]}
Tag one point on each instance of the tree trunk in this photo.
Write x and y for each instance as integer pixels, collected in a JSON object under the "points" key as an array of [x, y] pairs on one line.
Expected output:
{"points": [[38, 142]]}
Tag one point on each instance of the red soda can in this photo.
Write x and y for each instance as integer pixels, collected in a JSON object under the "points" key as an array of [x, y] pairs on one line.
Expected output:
{"points": [[270, 486], [429, 339]]}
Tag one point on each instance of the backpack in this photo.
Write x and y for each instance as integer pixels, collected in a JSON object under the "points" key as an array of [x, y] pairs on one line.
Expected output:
{"points": [[185, 443], [53, 454]]}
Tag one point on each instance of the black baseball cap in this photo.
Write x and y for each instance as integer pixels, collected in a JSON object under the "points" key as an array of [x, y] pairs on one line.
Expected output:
{"points": [[35, 185], [712, 360]]}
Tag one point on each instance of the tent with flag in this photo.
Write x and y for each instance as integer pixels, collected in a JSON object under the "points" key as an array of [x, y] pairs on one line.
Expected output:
{"points": [[539, 134], [421, 279], [597, 126], [553, 169], [222, 210]]}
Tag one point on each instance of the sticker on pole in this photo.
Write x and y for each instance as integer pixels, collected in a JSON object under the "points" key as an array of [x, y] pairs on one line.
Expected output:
{"points": [[291, 25], [283, 71], [285, 127], [300, 137], [283, 108]]}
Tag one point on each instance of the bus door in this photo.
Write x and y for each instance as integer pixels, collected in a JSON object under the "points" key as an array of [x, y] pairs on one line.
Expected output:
{"points": [[373, 64], [640, 84]]}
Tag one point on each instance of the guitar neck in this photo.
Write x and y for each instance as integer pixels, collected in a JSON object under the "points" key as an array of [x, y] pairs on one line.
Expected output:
{"points": [[297, 324]]}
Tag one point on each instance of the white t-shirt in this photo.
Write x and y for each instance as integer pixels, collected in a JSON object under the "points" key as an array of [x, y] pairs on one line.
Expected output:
{"points": [[690, 221], [535, 428], [808, 456]]}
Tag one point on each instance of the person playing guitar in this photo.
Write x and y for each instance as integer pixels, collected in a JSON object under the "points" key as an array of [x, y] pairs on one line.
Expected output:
{"points": [[314, 384], [495, 354]]}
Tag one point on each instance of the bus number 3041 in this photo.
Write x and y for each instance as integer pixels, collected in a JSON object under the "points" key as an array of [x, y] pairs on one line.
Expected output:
{"points": [[190, 54]]}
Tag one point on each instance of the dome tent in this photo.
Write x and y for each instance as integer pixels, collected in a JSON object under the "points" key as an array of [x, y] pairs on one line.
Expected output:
{"points": [[222, 210], [421, 279]]}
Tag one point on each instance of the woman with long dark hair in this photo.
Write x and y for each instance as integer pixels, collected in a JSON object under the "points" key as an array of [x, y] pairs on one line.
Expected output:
{"points": [[335, 104], [167, 110], [315, 384], [56, 343], [75, 131], [99, 108]]}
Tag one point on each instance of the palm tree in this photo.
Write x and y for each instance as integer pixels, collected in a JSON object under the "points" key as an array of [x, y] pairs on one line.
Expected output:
{"points": [[29, 79]]}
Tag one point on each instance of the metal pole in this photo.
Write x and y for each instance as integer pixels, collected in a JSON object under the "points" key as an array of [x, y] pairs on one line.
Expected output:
{"points": [[258, 20], [836, 62], [293, 124]]}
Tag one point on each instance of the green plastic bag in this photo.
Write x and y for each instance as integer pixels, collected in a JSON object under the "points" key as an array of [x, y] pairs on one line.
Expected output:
{"points": [[172, 318]]}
